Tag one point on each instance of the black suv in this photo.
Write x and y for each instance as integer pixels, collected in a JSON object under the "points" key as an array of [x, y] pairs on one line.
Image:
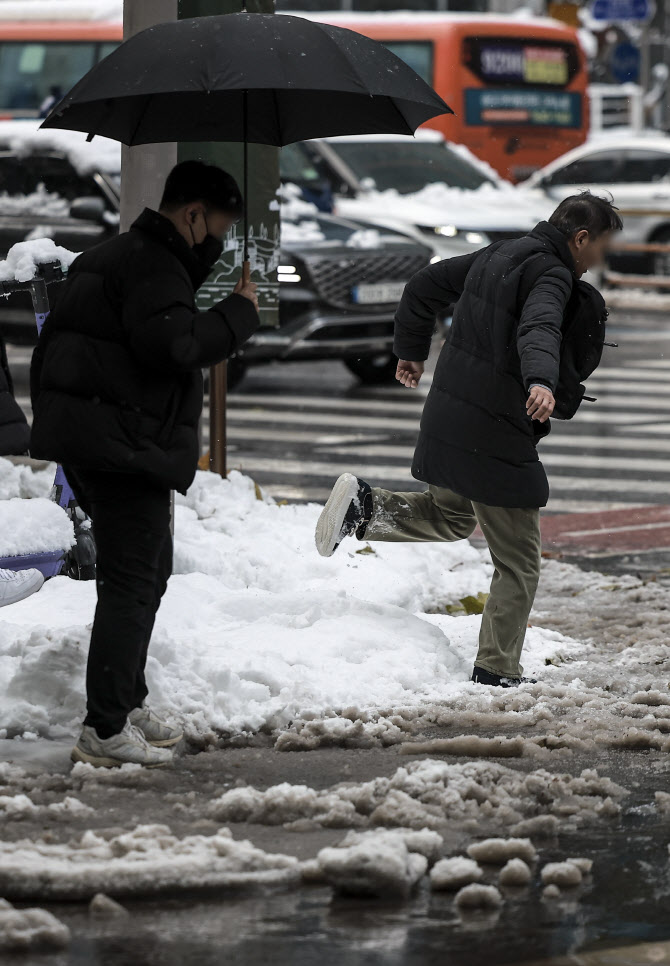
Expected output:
{"points": [[340, 280]]}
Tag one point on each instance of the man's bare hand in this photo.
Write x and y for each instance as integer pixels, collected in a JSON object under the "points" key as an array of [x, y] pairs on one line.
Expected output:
{"points": [[409, 373], [248, 290], [540, 404]]}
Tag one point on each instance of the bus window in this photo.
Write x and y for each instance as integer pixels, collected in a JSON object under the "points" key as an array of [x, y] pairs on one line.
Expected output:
{"points": [[418, 54], [32, 70]]}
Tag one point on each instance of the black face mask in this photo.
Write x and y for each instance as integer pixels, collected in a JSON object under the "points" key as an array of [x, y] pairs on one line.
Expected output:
{"points": [[208, 251]]}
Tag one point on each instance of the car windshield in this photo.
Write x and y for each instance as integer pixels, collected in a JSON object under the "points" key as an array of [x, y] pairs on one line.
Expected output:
{"points": [[408, 166]]}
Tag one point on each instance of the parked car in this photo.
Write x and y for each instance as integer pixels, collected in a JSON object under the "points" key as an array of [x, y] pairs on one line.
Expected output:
{"points": [[340, 280], [635, 169], [437, 192]]}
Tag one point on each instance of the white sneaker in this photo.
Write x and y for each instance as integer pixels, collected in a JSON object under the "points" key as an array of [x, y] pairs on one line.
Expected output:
{"points": [[129, 745], [18, 584], [158, 733], [343, 514]]}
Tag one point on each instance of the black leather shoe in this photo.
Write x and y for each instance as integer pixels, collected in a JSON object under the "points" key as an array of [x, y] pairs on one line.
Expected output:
{"points": [[481, 676]]}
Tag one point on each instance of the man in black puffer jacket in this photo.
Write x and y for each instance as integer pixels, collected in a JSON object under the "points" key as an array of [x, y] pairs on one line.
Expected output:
{"points": [[489, 404], [116, 384]]}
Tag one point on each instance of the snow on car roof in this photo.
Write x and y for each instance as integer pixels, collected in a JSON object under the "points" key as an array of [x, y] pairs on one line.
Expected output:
{"points": [[421, 135], [26, 138]]}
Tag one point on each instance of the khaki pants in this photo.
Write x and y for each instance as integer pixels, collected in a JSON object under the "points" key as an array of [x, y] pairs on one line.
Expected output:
{"points": [[513, 536]]}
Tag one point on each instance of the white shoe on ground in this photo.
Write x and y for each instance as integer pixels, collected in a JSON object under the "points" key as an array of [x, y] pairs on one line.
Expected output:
{"points": [[129, 746], [158, 732], [18, 584]]}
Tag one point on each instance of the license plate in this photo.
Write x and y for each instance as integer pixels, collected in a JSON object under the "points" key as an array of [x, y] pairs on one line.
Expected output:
{"points": [[380, 293]]}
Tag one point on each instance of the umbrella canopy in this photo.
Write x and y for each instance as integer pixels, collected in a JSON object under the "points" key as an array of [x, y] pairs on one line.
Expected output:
{"points": [[263, 78]]}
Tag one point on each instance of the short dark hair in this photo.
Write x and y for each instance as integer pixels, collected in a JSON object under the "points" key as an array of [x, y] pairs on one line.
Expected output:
{"points": [[586, 211], [196, 181]]}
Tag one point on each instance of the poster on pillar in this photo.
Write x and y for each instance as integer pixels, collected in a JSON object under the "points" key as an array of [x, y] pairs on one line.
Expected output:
{"points": [[263, 181]]}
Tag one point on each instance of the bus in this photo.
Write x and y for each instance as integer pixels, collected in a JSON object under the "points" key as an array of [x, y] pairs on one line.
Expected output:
{"points": [[518, 87]]}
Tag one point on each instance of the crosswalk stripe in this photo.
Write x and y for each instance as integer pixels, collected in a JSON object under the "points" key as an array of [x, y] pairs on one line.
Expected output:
{"points": [[410, 425], [392, 473], [621, 463]]}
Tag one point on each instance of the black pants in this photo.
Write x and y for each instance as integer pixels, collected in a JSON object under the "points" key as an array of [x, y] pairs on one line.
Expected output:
{"points": [[131, 525]]}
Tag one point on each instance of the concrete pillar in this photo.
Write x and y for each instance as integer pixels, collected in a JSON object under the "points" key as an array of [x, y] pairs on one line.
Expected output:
{"points": [[144, 167]]}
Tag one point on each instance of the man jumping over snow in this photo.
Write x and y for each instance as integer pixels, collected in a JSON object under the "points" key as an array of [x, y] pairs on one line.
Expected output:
{"points": [[525, 331], [116, 385]]}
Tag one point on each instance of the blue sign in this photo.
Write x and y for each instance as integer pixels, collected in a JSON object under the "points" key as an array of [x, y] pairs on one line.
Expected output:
{"points": [[523, 107], [622, 10], [625, 63]]}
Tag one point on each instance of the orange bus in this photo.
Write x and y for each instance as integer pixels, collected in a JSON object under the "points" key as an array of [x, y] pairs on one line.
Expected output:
{"points": [[518, 87]]}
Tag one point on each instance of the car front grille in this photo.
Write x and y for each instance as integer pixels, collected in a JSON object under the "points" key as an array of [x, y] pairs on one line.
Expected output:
{"points": [[334, 276]]}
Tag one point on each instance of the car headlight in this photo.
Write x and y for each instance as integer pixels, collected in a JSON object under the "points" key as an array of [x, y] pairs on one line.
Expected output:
{"points": [[287, 273], [451, 231]]}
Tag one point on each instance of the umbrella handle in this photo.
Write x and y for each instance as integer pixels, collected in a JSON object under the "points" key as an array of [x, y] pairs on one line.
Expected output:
{"points": [[246, 272]]}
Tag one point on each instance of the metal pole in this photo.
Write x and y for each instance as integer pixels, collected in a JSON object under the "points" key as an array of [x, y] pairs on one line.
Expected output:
{"points": [[218, 375]]}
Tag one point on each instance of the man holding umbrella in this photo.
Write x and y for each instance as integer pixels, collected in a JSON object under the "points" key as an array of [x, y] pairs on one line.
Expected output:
{"points": [[116, 388]]}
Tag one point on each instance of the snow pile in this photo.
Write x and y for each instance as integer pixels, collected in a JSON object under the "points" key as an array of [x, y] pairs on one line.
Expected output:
{"points": [[30, 929], [561, 874], [443, 197], [32, 526], [476, 896], [364, 238], [301, 230], [25, 138], [20, 806], [515, 873], [23, 259], [497, 851], [21, 480], [429, 793], [379, 863], [454, 873], [355, 649], [38, 202], [102, 907], [147, 860]]}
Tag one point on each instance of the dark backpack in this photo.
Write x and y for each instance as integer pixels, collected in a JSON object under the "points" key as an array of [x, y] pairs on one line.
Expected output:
{"points": [[584, 323], [582, 341]]}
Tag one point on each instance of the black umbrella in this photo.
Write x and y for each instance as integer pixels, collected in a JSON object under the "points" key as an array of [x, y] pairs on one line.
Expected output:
{"points": [[251, 77]]}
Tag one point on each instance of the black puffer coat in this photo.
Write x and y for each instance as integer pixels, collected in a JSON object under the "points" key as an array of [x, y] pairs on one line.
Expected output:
{"points": [[476, 438], [116, 378]]}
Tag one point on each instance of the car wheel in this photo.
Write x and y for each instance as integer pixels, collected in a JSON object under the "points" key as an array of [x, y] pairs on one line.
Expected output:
{"points": [[661, 260], [373, 369]]}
